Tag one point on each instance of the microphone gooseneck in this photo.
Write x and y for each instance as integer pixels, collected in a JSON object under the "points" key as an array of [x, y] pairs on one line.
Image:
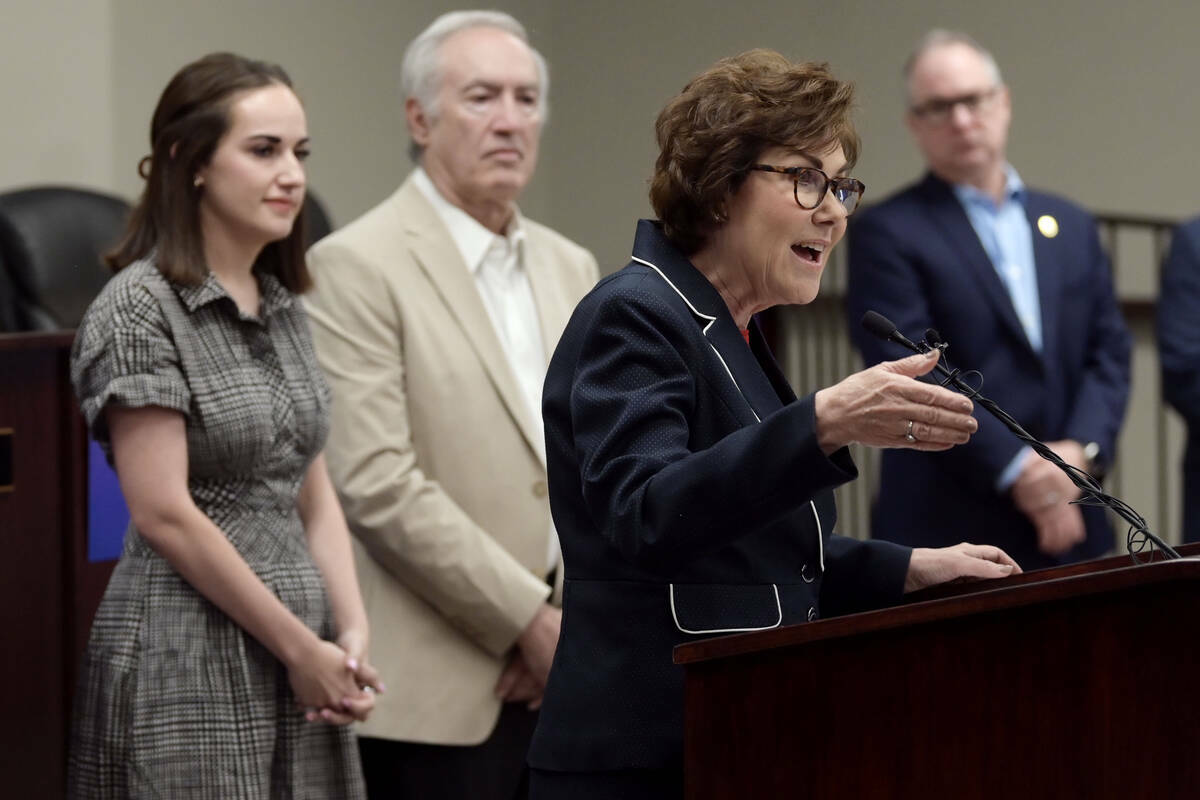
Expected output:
{"points": [[1092, 494]]}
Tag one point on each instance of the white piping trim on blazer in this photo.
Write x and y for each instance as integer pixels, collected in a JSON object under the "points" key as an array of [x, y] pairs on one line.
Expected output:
{"points": [[778, 621], [820, 542], [711, 320], [820, 538]]}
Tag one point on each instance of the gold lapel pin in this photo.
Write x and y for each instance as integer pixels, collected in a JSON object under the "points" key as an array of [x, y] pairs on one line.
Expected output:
{"points": [[1048, 225]]}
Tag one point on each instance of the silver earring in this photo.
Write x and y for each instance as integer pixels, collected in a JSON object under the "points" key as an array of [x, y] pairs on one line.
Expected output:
{"points": [[197, 181]]}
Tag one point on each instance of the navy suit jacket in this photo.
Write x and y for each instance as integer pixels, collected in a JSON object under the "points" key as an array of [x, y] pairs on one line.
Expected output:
{"points": [[691, 499], [916, 259], [1179, 354]]}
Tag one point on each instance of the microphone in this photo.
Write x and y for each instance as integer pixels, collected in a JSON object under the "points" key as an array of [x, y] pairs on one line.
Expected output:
{"points": [[885, 329], [1092, 493]]}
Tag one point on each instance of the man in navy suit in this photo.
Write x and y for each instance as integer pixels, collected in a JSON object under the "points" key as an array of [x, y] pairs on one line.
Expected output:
{"points": [[1017, 283]]}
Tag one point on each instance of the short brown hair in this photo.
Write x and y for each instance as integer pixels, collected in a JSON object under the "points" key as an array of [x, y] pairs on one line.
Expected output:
{"points": [[713, 130], [191, 117]]}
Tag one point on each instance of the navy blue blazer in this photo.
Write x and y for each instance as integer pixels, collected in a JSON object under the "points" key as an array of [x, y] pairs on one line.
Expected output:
{"points": [[916, 259], [691, 499], [1179, 355]]}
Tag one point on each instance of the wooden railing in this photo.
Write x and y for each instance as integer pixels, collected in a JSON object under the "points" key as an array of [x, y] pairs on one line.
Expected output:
{"points": [[813, 346]]}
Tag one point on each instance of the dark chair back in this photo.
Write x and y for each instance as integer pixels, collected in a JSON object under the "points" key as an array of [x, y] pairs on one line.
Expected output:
{"points": [[51, 242], [317, 219], [8, 302]]}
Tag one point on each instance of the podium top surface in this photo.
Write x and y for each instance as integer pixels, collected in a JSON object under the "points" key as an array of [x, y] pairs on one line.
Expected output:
{"points": [[958, 600]]}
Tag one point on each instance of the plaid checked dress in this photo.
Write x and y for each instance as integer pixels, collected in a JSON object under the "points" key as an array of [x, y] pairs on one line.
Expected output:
{"points": [[175, 700]]}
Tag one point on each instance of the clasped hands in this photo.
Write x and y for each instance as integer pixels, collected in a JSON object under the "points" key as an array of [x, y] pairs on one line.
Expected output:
{"points": [[333, 681], [1043, 492], [524, 677]]}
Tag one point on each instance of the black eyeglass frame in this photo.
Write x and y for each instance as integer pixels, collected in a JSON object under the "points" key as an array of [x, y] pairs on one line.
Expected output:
{"points": [[938, 110], [843, 187]]}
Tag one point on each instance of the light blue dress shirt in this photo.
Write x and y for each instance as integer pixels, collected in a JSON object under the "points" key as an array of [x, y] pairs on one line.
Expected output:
{"points": [[1007, 238]]}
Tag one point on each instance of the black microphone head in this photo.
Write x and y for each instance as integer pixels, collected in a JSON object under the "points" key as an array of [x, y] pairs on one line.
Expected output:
{"points": [[879, 325], [933, 337], [885, 329]]}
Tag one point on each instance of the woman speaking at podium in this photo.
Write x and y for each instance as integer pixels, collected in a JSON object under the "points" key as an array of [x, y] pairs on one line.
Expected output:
{"points": [[691, 489]]}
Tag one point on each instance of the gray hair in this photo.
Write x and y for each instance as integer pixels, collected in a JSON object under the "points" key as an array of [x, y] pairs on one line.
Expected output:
{"points": [[939, 37], [420, 72]]}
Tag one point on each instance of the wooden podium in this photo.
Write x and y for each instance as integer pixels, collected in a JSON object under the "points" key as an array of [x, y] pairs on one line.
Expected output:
{"points": [[48, 589], [1074, 682]]}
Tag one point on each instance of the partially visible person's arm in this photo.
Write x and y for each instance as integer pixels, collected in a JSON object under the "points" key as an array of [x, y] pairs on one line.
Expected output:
{"points": [[1178, 333]]}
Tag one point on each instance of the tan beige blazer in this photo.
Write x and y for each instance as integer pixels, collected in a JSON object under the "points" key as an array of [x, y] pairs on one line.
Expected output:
{"points": [[432, 453]]}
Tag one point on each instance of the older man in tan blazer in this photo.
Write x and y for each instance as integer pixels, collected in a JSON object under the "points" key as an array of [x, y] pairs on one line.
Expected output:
{"points": [[434, 316]]}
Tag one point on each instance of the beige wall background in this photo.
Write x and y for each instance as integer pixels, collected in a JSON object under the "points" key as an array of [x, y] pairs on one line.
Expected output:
{"points": [[1106, 109], [1105, 102], [56, 93]]}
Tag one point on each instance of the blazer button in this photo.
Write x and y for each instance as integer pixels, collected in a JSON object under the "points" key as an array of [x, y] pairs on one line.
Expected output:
{"points": [[540, 489], [806, 574], [812, 613]]}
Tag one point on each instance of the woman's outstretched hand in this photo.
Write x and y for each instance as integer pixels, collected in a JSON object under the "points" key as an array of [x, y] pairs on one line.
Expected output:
{"points": [[884, 406]]}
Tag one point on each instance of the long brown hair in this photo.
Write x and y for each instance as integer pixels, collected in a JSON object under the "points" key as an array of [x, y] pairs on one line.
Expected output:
{"points": [[191, 117]]}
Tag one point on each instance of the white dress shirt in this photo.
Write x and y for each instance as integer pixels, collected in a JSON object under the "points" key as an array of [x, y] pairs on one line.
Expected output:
{"points": [[497, 264]]}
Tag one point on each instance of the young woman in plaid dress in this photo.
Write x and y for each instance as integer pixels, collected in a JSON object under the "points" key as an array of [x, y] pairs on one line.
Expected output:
{"points": [[230, 649]]}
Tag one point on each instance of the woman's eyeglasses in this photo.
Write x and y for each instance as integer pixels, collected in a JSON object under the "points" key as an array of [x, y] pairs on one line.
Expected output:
{"points": [[810, 185]]}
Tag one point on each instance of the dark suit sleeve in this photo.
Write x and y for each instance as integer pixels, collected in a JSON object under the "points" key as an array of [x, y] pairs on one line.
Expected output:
{"points": [[638, 383], [1179, 323], [1103, 392], [886, 274], [861, 576]]}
